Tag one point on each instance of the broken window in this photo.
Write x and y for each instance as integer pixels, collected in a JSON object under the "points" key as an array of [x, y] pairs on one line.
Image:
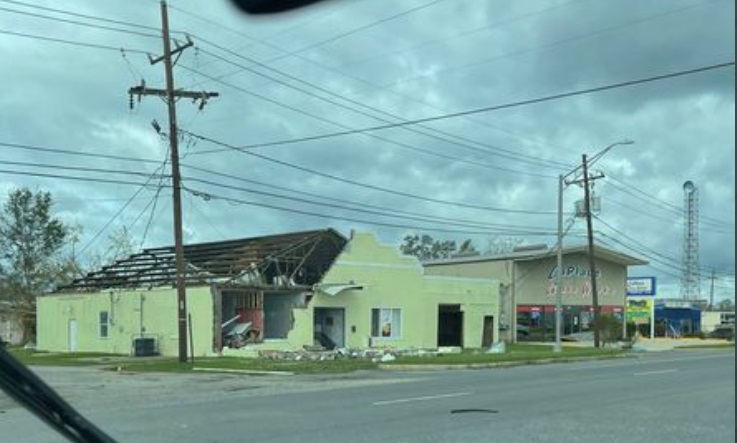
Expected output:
{"points": [[386, 323]]}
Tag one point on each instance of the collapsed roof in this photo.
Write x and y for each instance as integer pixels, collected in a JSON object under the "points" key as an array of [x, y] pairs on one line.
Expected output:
{"points": [[296, 259]]}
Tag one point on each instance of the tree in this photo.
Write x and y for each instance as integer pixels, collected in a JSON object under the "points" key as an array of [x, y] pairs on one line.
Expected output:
{"points": [[425, 247], [610, 329], [725, 305], [30, 242], [501, 245]]}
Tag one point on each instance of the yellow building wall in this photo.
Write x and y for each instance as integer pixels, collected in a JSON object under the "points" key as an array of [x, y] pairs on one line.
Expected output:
{"points": [[391, 280], [56, 312]]}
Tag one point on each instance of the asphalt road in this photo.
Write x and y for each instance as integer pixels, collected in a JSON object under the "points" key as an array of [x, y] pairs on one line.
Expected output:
{"points": [[678, 396]]}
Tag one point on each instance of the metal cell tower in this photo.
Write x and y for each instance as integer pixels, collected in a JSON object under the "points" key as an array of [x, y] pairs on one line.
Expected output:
{"points": [[690, 279]]}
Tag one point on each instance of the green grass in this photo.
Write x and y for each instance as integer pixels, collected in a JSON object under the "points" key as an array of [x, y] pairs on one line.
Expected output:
{"points": [[243, 364], [36, 358], [515, 353]]}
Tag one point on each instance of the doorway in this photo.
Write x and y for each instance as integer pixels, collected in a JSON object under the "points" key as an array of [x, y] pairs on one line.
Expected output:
{"points": [[450, 325], [487, 339], [329, 327]]}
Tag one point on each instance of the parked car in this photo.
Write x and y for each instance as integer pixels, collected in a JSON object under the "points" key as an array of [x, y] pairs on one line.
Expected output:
{"points": [[724, 332]]}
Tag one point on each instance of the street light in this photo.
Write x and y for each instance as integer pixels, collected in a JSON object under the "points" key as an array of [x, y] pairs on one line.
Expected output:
{"points": [[562, 183]]}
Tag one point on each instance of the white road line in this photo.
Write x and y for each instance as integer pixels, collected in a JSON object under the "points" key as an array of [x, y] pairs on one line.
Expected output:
{"points": [[426, 398], [664, 371]]}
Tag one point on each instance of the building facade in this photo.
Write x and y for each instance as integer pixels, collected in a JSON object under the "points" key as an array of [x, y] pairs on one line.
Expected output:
{"points": [[528, 294], [287, 292]]}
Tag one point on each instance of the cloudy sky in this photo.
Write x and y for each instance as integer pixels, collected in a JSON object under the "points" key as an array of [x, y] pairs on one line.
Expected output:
{"points": [[252, 164]]}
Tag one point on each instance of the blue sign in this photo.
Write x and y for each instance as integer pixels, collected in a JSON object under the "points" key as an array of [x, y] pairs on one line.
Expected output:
{"points": [[641, 286]]}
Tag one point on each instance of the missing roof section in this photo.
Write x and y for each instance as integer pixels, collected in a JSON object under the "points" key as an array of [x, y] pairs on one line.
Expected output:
{"points": [[297, 259]]}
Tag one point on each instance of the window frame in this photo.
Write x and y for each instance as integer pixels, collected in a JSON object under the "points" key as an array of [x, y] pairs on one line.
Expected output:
{"points": [[394, 327], [103, 326]]}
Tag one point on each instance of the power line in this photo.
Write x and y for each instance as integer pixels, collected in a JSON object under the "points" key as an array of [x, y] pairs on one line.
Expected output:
{"points": [[425, 218], [648, 18], [78, 23], [463, 33], [342, 74], [662, 258], [233, 200], [490, 149], [357, 183], [77, 153], [74, 168], [356, 131], [666, 205], [127, 203], [509, 105], [354, 31], [238, 178], [314, 195], [71, 177], [72, 42], [76, 14]]}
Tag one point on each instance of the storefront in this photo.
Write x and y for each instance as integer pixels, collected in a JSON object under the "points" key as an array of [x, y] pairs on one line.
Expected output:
{"points": [[528, 276]]}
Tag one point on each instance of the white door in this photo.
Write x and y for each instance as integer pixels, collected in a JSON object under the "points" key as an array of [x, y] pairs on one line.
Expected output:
{"points": [[72, 335]]}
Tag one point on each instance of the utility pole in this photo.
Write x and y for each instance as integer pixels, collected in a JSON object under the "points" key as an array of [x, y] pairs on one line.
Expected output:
{"points": [[592, 264], [559, 275], [170, 96]]}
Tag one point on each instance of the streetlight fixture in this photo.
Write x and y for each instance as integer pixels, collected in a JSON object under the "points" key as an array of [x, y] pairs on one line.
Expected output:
{"points": [[563, 182]]}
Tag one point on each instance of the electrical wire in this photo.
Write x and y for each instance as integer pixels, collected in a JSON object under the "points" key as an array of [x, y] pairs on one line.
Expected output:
{"points": [[444, 71], [357, 183], [72, 42], [522, 229], [79, 15], [508, 105], [332, 39], [487, 150], [356, 131], [75, 168], [78, 23], [238, 201]]}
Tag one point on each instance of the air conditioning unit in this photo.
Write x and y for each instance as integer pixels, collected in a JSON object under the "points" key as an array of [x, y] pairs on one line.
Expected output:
{"points": [[144, 347]]}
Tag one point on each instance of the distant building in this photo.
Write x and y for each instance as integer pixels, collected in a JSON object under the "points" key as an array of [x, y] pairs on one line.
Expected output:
{"points": [[11, 325], [711, 320], [528, 275], [678, 317]]}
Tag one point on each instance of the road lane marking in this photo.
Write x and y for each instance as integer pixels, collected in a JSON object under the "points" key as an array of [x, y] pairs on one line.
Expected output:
{"points": [[425, 398], [664, 371]]}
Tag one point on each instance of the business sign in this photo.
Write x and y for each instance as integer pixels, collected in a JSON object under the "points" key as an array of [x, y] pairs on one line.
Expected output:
{"points": [[641, 286], [639, 309]]}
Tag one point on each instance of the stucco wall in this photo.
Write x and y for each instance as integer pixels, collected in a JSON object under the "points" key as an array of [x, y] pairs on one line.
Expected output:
{"points": [[159, 320], [536, 282], [392, 281]]}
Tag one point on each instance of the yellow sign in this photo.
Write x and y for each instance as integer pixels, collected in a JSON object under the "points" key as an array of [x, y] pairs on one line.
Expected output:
{"points": [[639, 309]]}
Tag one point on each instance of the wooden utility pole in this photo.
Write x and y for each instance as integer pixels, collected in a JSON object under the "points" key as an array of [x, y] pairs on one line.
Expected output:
{"points": [[592, 260], [170, 95]]}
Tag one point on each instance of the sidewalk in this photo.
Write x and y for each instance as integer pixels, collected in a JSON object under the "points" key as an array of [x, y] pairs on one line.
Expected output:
{"points": [[668, 344]]}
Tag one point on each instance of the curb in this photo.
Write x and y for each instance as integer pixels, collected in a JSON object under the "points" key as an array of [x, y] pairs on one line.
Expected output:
{"points": [[243, 371], [501, 364]]}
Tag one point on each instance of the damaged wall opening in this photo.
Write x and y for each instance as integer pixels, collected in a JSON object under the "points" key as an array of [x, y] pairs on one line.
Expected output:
{"points": [[252, 316]]}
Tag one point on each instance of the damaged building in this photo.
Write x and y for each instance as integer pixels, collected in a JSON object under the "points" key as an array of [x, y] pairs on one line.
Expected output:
{"points": [[280, 292]]}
